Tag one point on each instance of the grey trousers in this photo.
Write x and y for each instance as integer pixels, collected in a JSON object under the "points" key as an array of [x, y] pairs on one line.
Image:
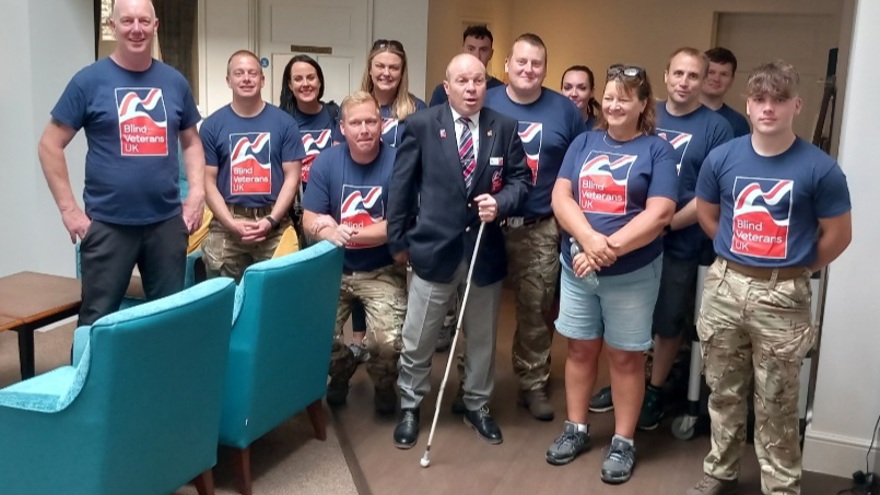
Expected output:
{"points": [[427, 305]]}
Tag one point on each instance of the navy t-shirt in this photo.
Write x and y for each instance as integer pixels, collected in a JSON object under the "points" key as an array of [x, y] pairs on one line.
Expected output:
{"points": [[132, 121], [439, 96], [692, 136], [249, 151], [612, 181], [547, 127], [354, 194], [590, 123], [317, 131], [771, 206], [737, 121]]}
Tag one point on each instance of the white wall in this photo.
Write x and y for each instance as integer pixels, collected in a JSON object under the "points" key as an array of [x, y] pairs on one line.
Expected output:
{"points": [[52, 41], [407, 21], [847, 399]]}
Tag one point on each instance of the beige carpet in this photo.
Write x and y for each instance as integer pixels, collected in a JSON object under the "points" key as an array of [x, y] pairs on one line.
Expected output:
{"points": [[287, 460]]}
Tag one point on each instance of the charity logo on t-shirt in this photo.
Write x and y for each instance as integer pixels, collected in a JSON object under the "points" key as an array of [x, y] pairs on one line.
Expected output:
{"points": [[602, 182], [143, 121], [389, 131], [250, 163], [761, 217], [314, 143], [362, 206], [532, 134], [679, 141]]}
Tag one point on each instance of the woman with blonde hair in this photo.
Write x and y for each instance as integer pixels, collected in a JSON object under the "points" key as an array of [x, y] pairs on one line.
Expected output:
{"points": [[386, 78]]}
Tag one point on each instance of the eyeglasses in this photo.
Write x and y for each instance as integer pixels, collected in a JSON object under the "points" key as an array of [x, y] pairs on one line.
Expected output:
{"points": [[618, 70], [383, 43]]}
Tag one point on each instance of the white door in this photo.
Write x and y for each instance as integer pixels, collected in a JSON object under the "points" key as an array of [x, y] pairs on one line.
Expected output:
{"points": [[341, 25], [801, 40]]}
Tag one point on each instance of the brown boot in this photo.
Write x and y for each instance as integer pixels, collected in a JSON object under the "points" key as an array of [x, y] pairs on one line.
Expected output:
{"points": [[713, 486], [536, 402]]}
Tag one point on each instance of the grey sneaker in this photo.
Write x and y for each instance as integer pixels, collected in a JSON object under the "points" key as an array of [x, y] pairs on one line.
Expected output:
{"points": [[361, 354], [601, 402], [713, 486], [568, 445], [619, 462]]}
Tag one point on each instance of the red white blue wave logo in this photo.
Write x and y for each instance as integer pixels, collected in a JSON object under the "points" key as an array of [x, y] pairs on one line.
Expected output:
{"points": [[603, 181], [251, 164], [532, 134], [314, 143], [362, 206], [761, 217], [143, 122]]}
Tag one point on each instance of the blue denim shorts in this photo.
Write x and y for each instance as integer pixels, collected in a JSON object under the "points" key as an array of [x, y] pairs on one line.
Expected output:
{"points": [[620, 308]]}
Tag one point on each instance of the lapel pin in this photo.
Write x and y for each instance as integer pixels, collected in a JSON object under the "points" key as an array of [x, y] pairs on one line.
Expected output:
{"points": [[489, 133], [442, 133]]}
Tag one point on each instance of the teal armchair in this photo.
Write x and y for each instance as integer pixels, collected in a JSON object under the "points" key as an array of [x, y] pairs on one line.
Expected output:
{"points": [[138, 412], [284, 319]]}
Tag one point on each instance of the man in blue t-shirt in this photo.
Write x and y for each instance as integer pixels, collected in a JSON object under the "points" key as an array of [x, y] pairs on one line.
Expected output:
{"points": [[134, 110], [346, 204], [548, 123], [476, 40], [722, 70], [253, 154], [778, 209], [693, 130]]}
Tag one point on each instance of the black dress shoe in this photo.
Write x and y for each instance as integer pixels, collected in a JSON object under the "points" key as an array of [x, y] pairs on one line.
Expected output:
{"points": [[407, 430], [484, 424]]}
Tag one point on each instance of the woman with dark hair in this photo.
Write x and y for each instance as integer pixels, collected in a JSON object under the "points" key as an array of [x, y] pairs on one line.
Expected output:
{"points": [[614, 195], [577, 85], [387, 79], [302, 87]]}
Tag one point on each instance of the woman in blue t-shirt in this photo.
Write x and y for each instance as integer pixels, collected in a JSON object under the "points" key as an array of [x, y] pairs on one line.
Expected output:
{"points": [[577, 85], [387, 79], [614, 196]]}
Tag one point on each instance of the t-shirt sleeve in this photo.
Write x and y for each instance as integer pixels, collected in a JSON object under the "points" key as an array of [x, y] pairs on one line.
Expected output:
{"points": [[292, 145], [831, 194], [71, 107], [707, 182], [664, 173], [191, 115], [723, 133], [439, 96], [568, 161], [208, 133], [317, 195]]}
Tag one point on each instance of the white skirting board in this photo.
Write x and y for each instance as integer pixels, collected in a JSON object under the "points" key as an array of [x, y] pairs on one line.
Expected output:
{"points": [[836, 455]]}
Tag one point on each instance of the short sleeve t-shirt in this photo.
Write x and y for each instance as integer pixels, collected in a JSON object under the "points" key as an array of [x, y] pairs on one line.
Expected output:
{"points": [[132, 121], [612, 181], [248, 153], [547, 127], [770, 206], [353, 194], [317, 132], [737, 121], [692, 136]]}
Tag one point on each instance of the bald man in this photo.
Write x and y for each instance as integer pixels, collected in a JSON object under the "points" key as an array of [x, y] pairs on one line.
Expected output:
{"points": [[460, 164], [134, 110]]}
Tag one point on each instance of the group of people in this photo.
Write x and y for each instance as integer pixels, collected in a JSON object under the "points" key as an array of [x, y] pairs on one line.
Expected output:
{"points": [[612, 200]]}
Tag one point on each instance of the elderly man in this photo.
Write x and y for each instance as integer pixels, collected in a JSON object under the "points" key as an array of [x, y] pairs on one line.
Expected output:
{"points": [[458, 164], [134, 110]]}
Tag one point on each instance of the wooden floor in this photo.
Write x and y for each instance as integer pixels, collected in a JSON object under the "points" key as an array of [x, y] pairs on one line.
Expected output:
{"points": [[461, 463]]}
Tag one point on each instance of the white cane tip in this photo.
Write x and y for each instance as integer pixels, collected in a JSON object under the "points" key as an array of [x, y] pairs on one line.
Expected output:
{"points": [[424, 462]]}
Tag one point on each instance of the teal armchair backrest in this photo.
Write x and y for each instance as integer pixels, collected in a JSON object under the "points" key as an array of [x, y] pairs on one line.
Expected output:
{"points": [[139, 413], [281, 338]]}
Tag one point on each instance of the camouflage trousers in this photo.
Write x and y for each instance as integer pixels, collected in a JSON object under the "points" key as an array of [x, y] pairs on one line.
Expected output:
{"points": [[225, 255], [383, 294], [750, 327], [533, 258]]}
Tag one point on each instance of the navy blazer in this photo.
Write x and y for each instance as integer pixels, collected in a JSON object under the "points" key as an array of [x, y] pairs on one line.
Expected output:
{"points": [[430, 212]]}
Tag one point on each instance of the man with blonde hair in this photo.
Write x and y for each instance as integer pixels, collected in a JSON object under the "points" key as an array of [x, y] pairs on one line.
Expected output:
{"points": [[778, 209], [345, 204]]}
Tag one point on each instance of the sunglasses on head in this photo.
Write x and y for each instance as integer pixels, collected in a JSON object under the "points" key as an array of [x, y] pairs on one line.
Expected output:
{"points": [[618, 70], [383, 43]]}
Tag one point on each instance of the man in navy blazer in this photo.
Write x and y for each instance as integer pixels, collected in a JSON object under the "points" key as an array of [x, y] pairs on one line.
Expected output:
{"points": [[450, 174]]}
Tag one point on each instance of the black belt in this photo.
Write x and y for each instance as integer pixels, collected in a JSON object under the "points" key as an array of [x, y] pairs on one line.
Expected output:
{"points": [[516, 222], [255, 212]]}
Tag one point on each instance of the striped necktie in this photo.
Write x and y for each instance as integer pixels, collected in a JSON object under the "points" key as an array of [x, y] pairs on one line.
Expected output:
{"points": [[466, 153]]}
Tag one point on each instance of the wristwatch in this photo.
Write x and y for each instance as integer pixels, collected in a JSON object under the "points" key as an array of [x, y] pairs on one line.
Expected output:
{"points": [[274, 223]]}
